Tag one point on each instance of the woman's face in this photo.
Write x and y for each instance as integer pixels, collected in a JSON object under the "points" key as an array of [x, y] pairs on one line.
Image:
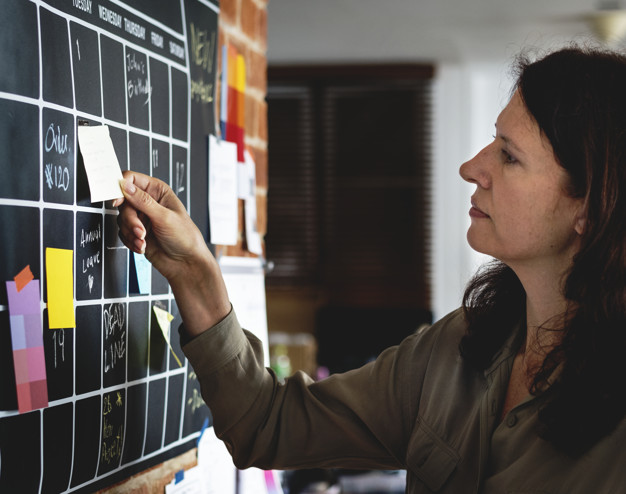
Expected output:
{"points": [[520, 212]]}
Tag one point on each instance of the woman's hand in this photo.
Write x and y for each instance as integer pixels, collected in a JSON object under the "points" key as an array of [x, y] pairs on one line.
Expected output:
{"points": [[152, 220]]}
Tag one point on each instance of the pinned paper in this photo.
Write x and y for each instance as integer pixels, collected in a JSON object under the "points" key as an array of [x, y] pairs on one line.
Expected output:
{"points": [[101, 164], [27, 341], [140, 274], [223, 217], [253, 238], [164, 319], [218, 473], [60, 288], [23, 278]]}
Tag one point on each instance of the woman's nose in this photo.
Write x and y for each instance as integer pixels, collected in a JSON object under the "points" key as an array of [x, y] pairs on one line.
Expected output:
{"points": [[475, 171]]}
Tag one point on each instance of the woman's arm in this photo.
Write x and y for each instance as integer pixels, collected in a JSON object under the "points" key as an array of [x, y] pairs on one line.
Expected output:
{"points": [[152, 220]]}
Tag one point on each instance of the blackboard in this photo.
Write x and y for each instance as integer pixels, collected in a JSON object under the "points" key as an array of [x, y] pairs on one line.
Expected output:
{"points": [[118, 400]]}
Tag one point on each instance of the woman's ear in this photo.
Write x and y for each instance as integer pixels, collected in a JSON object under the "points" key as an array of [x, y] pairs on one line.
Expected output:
{"points": [[580, 220], [579, 226]]}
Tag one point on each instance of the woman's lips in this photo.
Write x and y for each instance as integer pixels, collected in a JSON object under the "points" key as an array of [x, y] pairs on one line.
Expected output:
{"points": [[476, 212]]}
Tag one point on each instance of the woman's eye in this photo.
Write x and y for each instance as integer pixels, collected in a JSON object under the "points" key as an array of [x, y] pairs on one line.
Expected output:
{"points": [[508, 158]]}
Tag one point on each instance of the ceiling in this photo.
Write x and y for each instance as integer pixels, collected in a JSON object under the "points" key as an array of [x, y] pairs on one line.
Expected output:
{"points": [[327, 31]]}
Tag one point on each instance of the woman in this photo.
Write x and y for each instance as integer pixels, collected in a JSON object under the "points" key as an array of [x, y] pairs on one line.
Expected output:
{"points": [[534, 401]]}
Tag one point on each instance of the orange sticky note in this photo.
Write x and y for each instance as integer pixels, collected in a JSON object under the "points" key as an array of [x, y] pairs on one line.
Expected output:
{"points": [[23, 278], [60, 288]]}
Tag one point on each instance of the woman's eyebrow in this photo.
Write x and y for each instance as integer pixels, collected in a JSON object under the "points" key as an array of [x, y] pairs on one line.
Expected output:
{"points": [[509, 141]]}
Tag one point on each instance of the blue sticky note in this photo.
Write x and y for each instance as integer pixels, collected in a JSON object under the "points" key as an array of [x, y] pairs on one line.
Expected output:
{"points": [[140, 274], [180, 475]]}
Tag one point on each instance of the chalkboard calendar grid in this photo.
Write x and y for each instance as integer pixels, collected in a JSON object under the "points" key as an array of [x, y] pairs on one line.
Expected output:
{"points": [[118, 400]]}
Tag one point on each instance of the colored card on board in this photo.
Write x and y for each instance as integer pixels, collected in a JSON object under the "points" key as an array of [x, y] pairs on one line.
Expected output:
{"points": [[140, 274], [60, 288], [27, 342], [164, 319], [23, 278], [101, 164]]}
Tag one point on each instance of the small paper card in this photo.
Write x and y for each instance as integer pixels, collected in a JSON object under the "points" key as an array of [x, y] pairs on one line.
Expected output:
{"points": [[164, 319], [101, 165], [140, 274]]}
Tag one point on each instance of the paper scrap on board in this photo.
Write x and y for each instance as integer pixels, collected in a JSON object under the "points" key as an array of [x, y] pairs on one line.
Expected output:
{"points": [[164, 319], [140, 274], [23, 278], [101, 164]]}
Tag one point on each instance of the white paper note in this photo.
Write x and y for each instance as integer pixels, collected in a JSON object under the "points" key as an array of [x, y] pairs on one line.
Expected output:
{"points": [[245, 282], [223, 217], [253, 238], [218, 472], [101, 164]]}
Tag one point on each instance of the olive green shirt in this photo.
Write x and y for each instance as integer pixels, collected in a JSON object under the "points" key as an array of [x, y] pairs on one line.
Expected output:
{"points": [[418, 407]]}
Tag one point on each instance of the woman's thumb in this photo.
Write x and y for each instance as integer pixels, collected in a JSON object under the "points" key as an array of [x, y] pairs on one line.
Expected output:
{"points": [[138, 198]]}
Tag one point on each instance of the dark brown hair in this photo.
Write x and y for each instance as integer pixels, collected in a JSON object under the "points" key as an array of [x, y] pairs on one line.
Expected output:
{"points": [[577, 96]]}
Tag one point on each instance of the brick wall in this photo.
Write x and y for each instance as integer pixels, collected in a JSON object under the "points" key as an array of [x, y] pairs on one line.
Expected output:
{"points": [[243, 23]]}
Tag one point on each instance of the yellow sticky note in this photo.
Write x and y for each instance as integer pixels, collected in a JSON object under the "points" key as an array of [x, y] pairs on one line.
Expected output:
{"points": [[164, 319], [240, 74], [60, 287], [232, 66]]}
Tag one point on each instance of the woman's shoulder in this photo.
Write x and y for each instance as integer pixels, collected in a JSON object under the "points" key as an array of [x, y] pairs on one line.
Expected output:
{"points": [[449, 328], [441, 337]]}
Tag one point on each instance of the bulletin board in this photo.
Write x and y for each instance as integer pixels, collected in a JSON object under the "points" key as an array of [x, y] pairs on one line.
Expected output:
{"points": [[118, 400]]}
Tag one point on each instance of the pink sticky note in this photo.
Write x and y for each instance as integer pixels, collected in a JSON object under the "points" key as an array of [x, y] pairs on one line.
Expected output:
{"points": [[36, 364]]}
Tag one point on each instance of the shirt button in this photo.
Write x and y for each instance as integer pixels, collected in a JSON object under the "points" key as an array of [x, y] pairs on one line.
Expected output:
{"points": [[511, 420]]}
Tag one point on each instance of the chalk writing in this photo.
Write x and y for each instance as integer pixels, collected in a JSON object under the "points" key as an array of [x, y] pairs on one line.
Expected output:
{"points": [[201, 91], [133, 64], [137, 79], [87, 238], [155, 158], [179, 186], [107, 406], [195, 402], [90, 236], [112, 428], [55, 140], [113, 319], [139, 87], [58, 338], [202, 48], [57, 176], [114, 336], [90, 262]]}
